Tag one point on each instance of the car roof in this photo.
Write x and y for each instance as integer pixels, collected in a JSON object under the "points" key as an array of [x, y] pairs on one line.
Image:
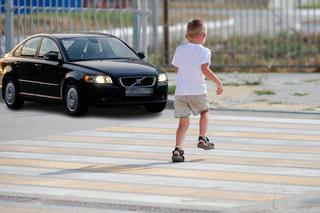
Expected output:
{"points": [[72, 35]]}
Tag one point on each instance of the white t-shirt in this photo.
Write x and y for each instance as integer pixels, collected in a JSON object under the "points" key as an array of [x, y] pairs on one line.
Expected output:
{"points": [[188, 58]]}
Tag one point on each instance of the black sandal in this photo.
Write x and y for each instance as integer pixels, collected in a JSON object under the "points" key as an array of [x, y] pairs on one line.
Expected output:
{"points": [[204, 143], [177, 155]]}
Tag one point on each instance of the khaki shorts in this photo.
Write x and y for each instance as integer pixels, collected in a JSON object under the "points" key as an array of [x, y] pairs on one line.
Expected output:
{"points": [[185, 104]]}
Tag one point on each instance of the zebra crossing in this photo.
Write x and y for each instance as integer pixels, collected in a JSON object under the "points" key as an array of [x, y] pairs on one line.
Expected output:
{"points": [[257, 160]]}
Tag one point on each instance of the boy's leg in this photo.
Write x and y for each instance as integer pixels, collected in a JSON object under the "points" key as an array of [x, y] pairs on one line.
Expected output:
{"points": [[203, 123], [181, 131], [177, 154], [182, 111], [203, 141]]}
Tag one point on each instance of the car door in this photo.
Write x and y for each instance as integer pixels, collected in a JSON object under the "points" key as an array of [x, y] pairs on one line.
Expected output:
{"points": [[24, 64], [49, 73]]}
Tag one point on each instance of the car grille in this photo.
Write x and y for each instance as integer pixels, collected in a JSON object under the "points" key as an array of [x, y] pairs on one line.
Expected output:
{"points": [[138, 81]]}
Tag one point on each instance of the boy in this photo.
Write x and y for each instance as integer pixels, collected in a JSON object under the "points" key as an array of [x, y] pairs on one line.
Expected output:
{"points": [[192, 62]]}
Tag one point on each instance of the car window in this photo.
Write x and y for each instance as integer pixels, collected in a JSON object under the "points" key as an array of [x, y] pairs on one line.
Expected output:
{"points": [[17, 52], [96, 48], [30, 47], [118, 49], [48, 45]]}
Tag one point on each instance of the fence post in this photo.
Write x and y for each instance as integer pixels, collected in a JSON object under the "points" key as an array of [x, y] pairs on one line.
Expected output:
{"points": [[136, 24], [154, 18], [9, 25], [166, 31], [144, 27]]}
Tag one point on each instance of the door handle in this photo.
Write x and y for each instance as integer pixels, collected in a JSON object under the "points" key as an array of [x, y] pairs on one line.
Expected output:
{"points": [[37, 66], [17, 63]]}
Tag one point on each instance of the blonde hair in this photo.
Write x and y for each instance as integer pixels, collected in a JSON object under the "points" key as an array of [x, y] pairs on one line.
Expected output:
{"points": [[195, 28]]}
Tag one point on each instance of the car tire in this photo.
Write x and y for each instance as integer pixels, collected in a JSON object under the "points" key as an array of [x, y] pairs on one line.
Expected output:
{"points": [[156, 107], [11, 94], [73, 100]]}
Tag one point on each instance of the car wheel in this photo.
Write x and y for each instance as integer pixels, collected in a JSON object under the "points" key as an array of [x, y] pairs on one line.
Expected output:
{"points": [[73, 101], [11, 95], [156, 107]]}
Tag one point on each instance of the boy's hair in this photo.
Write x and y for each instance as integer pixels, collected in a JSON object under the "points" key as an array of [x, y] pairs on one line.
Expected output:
{"points": [[195, 28]]}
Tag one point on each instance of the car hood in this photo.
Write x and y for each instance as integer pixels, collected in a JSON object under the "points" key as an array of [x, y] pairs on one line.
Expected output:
{"points": [[120, 67]]}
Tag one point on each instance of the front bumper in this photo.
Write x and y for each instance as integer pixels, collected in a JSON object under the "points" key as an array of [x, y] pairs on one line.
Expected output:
{"points": [[115, 95]]}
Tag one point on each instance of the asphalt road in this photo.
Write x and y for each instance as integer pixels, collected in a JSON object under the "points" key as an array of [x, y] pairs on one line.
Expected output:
{"points": [[118, 160]]}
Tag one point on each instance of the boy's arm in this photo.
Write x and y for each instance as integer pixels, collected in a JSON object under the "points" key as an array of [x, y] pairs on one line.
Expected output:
{"points": [[211, 76]]}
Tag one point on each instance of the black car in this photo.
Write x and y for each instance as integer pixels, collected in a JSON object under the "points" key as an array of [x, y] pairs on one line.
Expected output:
{"points": [[79, 70]]}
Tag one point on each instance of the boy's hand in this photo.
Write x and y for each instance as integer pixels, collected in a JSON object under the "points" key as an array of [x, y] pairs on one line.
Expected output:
{"points": [[219, 89], [210, 75]]}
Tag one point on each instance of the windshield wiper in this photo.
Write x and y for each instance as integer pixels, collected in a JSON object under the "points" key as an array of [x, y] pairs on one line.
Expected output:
{"points": [[118, 58]]}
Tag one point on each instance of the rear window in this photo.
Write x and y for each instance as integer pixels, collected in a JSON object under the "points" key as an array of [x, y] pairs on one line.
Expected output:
{"points": [[17, 52], [30, 47]]}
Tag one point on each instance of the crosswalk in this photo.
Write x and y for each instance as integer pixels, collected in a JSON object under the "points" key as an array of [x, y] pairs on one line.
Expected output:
{"points": [[256, 160]]}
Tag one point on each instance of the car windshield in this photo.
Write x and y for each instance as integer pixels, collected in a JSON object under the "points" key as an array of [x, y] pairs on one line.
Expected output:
{"points": [[96, 48]]}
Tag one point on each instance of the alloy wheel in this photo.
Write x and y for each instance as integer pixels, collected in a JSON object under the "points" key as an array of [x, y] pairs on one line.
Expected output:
{"points": [[72, 99], [10, 93]]}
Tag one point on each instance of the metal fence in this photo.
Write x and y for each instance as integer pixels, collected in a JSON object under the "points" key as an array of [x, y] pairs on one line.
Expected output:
{"points": [[241, 33], [246, 34], [126, 19]]}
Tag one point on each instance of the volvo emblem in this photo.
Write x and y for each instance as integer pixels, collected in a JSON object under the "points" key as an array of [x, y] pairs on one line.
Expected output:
{"points": [[138, 81]]}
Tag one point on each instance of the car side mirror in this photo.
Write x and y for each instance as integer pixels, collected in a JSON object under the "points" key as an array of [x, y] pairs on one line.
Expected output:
{"points": [[141, 55], [51, 56]]}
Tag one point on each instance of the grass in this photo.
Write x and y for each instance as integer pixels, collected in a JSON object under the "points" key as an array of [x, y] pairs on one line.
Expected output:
{"points": [[171, 89], [312, 80], [264, 92], [290, 83], [310, 109], [253, 82], [275, 102], [310, 6], [300, 93], [245, 83], [261, 100], [232, 84]]}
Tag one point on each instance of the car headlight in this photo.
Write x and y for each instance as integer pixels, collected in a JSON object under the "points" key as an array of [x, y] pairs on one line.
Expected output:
{"points": [[98, 79], [162, 77]]}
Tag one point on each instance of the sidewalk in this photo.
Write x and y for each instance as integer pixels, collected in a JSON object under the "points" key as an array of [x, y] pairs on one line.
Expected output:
{"points": [[290, 92]]}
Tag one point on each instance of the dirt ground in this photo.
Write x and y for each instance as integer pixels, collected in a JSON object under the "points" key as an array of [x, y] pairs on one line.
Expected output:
{"points": [[266, 91]]}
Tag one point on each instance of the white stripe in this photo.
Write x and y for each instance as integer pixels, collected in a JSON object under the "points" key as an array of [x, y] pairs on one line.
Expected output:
{"points": [[130, 198], [217, 139], [90, 175], [162, 149], [264, 119], [165, 164], [256, 141], [230, 128]]}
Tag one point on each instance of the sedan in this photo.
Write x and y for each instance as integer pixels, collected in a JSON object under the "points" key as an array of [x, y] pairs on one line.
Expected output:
{"points": [[80, 70]]}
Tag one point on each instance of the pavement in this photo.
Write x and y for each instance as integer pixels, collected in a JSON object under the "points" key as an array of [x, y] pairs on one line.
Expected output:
{"points": [[277, 92], [118, 160]]}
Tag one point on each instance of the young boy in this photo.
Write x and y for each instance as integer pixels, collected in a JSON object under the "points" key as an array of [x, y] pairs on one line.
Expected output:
{"points": [[192, 62]]}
